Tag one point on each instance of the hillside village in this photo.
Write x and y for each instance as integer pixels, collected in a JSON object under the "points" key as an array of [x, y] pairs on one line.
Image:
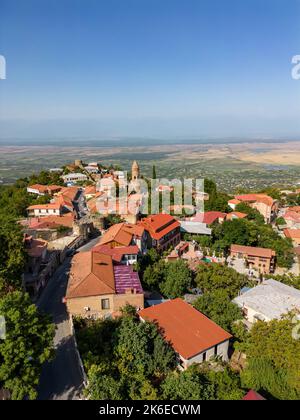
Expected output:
{"points": [[202, 296]]}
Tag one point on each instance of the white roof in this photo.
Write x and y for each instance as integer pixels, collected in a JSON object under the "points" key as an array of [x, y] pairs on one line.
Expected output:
{"points": [[195, 227], [271, 299], [74, 175]]}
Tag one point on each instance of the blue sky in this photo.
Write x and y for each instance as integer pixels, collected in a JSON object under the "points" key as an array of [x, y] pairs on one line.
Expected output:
{"points": [[157, 68]]}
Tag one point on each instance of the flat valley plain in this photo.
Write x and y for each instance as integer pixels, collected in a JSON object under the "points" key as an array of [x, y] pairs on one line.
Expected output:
{"points": [[249, 165]]}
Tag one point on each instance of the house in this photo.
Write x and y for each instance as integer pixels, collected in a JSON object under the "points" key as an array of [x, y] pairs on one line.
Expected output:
{"points": [[163, 231], [209, 217], [51, 222], [124, 235], [187, 251], [236, 215], [37, 254], [260, 259], [266, 205], [39, 210], [127, 255], [292, 219], [96, 288], [128, 208], [294, 235], [41, 190], [193, 336], [74, 177], [91, 169], [270, 300], [194, 228]]}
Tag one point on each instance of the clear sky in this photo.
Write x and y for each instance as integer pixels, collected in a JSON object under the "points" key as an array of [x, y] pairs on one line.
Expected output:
{"points": [[157, 68]]}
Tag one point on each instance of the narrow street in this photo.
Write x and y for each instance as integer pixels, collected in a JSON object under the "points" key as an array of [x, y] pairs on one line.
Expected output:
{"points": [[62, 378]]}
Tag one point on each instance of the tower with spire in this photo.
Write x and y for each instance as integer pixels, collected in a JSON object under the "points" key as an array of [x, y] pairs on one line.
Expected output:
{"points": [[135, 171]]}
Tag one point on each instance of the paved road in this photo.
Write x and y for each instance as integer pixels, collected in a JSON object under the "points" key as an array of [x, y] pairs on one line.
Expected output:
{"points": [[62, 378], [88, 246]]}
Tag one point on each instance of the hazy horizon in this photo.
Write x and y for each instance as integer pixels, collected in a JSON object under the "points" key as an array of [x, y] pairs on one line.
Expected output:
{"points": [[149, 69]]}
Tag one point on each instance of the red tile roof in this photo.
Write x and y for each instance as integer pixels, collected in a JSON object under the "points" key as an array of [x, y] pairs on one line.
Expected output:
{"points": [[292, 233], [35, 247], [261, 198], [51, 222], [253, 395], [116, 253], [253, 251], [188, 330], [236, 214], [122, 233], [292, 216], [159, 225], [91, 274], [294, 208], [234, 201], [208, 217], [50, 206]]}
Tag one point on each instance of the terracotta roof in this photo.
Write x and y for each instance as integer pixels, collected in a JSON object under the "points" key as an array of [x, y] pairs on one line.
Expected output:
{"points": [[50, 206], [253, 251], [208, 217], [116, 233], [159, 225], [117, 253], [91, 189], [234, 201], [54, 187], [292, 216], [69, 193], [35, 247], [294, 208], [188, 330], [51, 221], [253, 395], [236, 214], [261, 198], [122, 233], [39, 187], [292, 233], [91, 274]]}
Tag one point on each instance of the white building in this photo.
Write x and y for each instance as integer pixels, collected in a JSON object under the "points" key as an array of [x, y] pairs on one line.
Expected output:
{"points": [[39, 210], [193, 336], [74, 177], [194, 228], [91, 169], [270, 300]]}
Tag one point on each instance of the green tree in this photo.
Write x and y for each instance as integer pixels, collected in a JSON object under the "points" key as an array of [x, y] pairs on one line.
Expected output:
{"points": [[218, 307], [12, 256], [187, 385], [140, 349], [253, 214], [154, 275], [177, 279], [212, 277], [153, 172], [28, 344], [273, 356]]}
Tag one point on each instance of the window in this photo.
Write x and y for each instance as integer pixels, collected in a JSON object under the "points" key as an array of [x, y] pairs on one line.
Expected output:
{"points": [[216, 350], [204, 356], [105, 304]]}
